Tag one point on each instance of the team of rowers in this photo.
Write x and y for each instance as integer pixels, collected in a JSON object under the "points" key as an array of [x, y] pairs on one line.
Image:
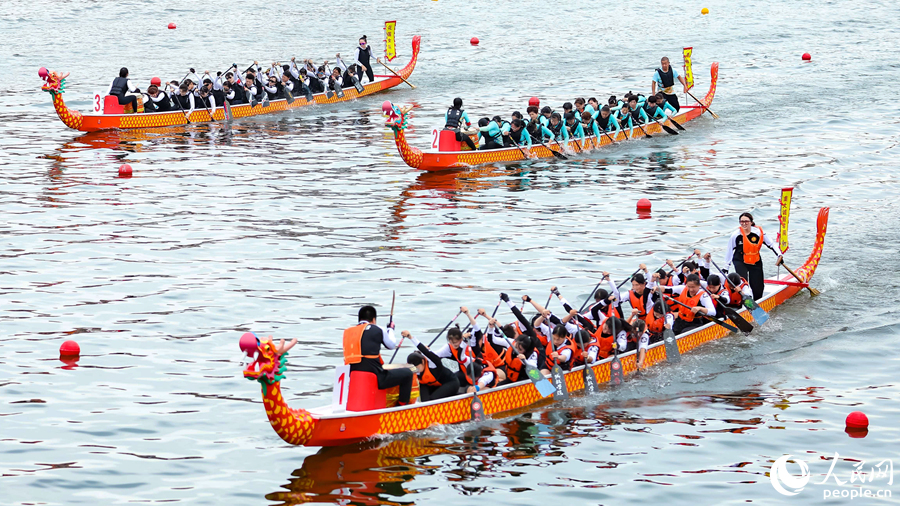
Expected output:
{"points": [[253, 85], [577, 121], [680, 298]]}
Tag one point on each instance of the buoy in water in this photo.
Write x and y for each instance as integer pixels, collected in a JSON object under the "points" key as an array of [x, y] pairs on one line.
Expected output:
{"points": [[704, 11], [474, 41], [171, 26], [806, 57], [124, 170], [69, 349], [857, 420], [643, 205], [534, 102]]}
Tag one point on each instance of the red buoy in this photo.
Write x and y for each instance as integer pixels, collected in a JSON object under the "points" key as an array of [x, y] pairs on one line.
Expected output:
{"points": [[171, 26], [807, 57], [474, 41], [857, 420], [69, 349], [534, 101], [124, 170], [643, 205]]}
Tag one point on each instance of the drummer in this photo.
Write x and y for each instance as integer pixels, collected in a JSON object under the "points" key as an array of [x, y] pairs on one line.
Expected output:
{"points": [[665, 77], [743, 252], [123, 89], [362, 351]]}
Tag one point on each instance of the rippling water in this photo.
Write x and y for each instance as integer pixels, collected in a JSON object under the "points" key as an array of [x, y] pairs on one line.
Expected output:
{"points": [[286, 224]]}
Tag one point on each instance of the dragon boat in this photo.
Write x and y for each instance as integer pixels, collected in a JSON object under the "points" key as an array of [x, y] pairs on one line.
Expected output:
{"points": [[328, 426], [447, 155], [54, 83]]}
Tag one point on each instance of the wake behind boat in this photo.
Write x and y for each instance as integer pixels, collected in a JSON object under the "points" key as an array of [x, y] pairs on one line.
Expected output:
{"points": [[332, 425], [54, 83], [439, 159]]}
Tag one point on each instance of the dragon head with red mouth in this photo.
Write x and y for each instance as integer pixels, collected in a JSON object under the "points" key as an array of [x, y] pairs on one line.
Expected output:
{"points": [[267, 364]]}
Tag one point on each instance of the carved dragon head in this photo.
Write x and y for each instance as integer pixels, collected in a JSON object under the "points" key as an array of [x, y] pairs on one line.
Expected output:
{"points": [[266, 364], [396, 117], [54, 82]]}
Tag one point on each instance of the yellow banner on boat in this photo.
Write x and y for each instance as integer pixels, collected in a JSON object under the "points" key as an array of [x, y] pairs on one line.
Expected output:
{"points": [[390, 47], [688, 71], [786, 194]]}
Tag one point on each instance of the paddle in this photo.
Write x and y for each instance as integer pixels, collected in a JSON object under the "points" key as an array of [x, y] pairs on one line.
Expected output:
{"points": [[445, 328], [356, 84], [645, 132], [590, 379], [520, 147], [395, 73], [228, 116], [475, 407], [672, 351], [676, 123], [615, 367], [739, 321], [543, 385], [664, 127], [180, 108], [288, 96], [208, 110], [700, 315], [812, 291], [555, 153], [558, 378], [760, 315], [584, 304], [390, 321], [707, 109]]}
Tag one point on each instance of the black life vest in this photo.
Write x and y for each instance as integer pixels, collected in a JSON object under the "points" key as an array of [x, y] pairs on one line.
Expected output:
{"points": [[667, 78], [363, 56], [315, 85], [454, 117], [183, 101], [348, 80], [557, 130], [603, 124], [279, 92], [239, 96], [163, 105], [202, 101], [636, 116], [219, 95], [119, 87]]}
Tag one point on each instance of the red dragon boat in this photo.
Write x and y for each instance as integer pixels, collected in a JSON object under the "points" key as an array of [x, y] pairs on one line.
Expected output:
{"points": [[327, 426], [451, 159], [54, 83]]}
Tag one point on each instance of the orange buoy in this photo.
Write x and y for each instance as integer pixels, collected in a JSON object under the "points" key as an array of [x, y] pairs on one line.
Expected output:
{"points": [[69, 349], [171, 26], [474, 41], [704, 11], [806, 57], [125, 170]]}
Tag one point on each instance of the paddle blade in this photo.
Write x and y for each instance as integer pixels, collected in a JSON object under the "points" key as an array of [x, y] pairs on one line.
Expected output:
{"points": [[760, 315], [265, 102], [672, 352], [227, 107], [616, 377], [542, 384], [328, 94], [357, 85], [288, 97], [590, 381], [477, 409], [558, 377], [676, 124], [738, 320], [669, 129], [339, 92]]}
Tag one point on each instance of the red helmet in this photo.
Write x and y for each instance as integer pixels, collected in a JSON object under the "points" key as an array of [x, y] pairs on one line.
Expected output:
{"points": [[534, 101], [155, 81]]}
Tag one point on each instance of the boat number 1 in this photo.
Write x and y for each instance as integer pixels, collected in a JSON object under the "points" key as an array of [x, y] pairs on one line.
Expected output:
{"points": [[341, 387], [434, 138]]}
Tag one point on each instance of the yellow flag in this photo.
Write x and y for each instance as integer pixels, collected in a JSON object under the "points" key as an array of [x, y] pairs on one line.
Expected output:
{"points": [[688, 71], [390, 48], [786, 194]]}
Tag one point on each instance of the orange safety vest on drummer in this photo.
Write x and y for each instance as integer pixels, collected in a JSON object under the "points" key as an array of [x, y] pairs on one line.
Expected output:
{"points": [[752, 245], [684, 313], [353, 345]]}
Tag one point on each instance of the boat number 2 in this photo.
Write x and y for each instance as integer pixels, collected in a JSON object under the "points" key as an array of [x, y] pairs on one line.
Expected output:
{"points": [[341, 387], [434, 138]]}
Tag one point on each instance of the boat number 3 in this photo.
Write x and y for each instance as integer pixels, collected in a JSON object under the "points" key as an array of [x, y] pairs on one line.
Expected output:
{"points": [[98, 102]]}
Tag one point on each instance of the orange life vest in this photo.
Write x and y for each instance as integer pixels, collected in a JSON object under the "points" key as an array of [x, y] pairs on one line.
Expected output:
{"points": [[655, 325], [514, 366], [604, 345], [751, 251], [427, 378], [488, 367], [735, 296], [353, 345], [683, 312], [458, 358], [637, 302], [567, 345], [489, 354]]}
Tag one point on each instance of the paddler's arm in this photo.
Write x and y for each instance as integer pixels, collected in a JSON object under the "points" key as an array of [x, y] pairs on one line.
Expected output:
{"points": [[434, 360], [707, 304], [387, 337]]}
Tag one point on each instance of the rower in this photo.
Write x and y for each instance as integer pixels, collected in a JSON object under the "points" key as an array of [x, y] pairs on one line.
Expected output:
{"points": [[460, 351], [536, 128], [652, 110], [546, 111], [335, 81], [605, 120], [637, 112], [743, 251], [639, 296], [206, 100], [664, 104], [362, 351], [658, 320], [519, 134], [364, 57], [560, 349], [737, 287], [602, 347], [574, 128], [665, 77], [157, 101], [125, 91], [589, 124], [579, 106], [593, 106], [637, 338], [184, 99], [505, 127], [696, 299], [718, 293], [556, 126], [435, 380], [273, 88], [624, 118], [491, 132], [454, 119], [567, 108], [525, 348]]}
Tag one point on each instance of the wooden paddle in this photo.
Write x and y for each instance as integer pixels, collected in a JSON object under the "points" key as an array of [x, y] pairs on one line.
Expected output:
{"points": [[760, 315], [707, 109], [616, 376], [812, 291], [590, 379], [700, 315], [395, 73]]}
